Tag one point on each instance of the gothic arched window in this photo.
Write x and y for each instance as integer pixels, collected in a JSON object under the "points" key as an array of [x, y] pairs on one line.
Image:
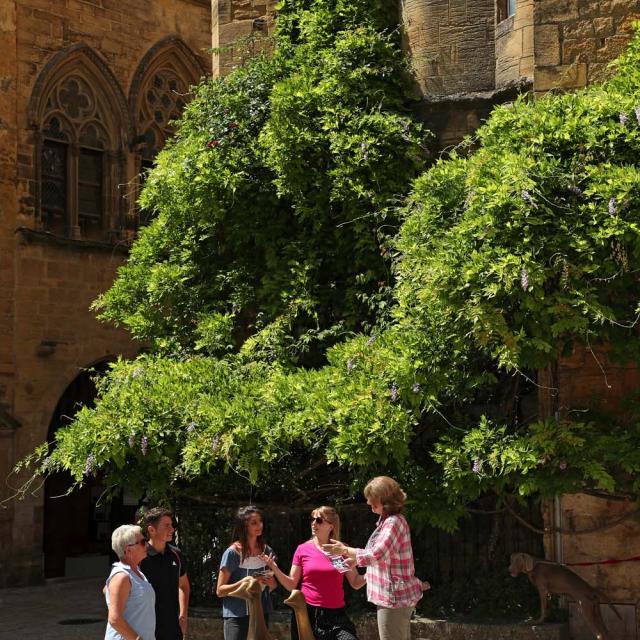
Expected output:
{"points": [[163, 99], [159, 93], [80, 137]]}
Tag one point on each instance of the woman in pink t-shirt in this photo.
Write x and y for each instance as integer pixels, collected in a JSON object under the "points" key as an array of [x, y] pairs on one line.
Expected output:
{"points": [[322, 579]]}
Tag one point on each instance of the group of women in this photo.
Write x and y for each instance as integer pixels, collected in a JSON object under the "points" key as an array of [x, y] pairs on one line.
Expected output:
{"points": [[319, 569]]}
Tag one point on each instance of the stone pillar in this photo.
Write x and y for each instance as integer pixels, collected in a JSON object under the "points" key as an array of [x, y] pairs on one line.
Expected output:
{"points": [[451, 43], [8, 195], [8, 208], [514, 46]]}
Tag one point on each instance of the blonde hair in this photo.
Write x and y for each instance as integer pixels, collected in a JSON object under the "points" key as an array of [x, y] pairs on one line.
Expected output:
{"points": [[387, 492], [124, 536], [331, 516]]}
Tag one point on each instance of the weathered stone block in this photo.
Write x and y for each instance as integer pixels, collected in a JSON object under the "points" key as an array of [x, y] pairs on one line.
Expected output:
{"points": [[524, 15], [564, 76], [579, 51], [556, 11], [603, 27], [579, 30], [590, 9], [547, 45], [613, 47]]}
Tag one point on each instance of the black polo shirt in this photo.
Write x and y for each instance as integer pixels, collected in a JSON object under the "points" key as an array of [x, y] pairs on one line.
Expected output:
{"points": [[163, 570]]}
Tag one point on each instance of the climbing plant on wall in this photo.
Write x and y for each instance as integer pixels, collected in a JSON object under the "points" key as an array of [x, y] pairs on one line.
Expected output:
{"points": [[284, 352]]}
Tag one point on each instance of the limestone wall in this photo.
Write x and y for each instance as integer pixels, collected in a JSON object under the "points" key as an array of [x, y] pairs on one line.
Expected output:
{"points": [[575, 40], [514, 46], [451, 43], [584, 379], [47, 332], [238, 30], [589, 537], [8, 207]]}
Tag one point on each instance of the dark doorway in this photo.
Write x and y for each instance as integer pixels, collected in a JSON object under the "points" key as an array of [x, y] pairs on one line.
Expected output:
{"points": [[78, 526]]}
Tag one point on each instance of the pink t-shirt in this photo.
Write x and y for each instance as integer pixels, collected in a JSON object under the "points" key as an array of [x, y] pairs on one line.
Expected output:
{"points": [[321, 581]]}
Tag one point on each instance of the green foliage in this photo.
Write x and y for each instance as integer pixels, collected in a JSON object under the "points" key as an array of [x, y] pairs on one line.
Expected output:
{"points": [[264, 255], [269, 204]]}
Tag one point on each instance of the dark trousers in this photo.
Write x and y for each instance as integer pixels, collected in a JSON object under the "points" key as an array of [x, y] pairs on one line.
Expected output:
{"points": [[238, 628], [168, 633], [327, 624], [171, 635]]}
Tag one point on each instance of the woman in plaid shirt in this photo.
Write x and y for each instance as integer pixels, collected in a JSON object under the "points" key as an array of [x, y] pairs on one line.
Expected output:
{"points": [[388, 556]]}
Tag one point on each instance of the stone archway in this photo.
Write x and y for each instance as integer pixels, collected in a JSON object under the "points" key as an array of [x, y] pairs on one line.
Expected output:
{"points": [[77, 527]]}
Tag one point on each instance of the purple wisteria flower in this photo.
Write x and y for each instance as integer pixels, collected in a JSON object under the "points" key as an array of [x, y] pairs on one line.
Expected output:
{"points": [[137, 372], [526, 196], [371, 340], [191, 426], [524, 279], [132, 441], [350, 364], [613, 206], [45, 463], [215, 444], [416, 388], [623, 117], [88, 467], [577, 191], [476, 466], [563, 466], [395, 394], [637, 112], [144, 445], [364, 150]]}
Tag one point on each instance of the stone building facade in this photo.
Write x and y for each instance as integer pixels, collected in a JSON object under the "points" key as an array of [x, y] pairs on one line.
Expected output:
{"points": [[87, 88]]}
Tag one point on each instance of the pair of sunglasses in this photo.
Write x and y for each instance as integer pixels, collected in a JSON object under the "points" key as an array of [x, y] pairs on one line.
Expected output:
{"points": [[317, 519], [142, 543]]}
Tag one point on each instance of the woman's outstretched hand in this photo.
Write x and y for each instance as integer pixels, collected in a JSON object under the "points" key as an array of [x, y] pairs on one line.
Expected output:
{"points": [[424, 585], [335, 547], [269, 560]]}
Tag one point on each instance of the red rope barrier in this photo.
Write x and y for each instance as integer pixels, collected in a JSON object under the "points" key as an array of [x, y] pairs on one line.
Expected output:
{"points": [[589, 564]]}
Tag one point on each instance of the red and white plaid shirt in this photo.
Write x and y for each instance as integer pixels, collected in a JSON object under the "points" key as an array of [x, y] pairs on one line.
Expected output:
{"points": [[388, 557]]}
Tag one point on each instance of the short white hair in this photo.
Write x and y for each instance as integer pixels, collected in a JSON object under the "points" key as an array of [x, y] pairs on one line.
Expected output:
{"points": [[124, 536]]}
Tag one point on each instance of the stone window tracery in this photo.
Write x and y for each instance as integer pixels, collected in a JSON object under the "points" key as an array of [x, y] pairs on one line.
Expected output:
{"points": [[72, 161], [80, 131], [164, 98], [159, 93]]}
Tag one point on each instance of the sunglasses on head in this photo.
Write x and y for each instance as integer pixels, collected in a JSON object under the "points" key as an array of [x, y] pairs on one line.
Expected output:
{"points": [[317, 519]]}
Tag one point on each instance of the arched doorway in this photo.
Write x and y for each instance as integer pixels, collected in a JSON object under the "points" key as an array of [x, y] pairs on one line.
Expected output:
{"points": [[78, 526]]}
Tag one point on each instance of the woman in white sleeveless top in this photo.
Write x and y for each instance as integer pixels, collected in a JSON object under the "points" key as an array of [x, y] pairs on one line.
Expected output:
{"points": [[130, 597]]}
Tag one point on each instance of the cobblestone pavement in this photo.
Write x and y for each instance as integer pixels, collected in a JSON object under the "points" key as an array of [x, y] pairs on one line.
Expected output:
{"points": [[35, 613]]}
